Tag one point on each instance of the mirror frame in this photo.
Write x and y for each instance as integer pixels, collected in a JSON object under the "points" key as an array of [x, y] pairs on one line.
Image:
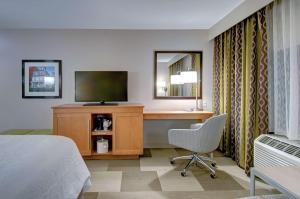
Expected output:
{"points": [[155, 74]]}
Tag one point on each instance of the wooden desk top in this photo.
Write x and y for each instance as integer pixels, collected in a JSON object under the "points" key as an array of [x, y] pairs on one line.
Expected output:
{"points": [[176, 115]]}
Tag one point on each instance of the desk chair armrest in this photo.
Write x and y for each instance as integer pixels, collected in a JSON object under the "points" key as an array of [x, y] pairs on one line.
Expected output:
{"points": [[196, 125]]}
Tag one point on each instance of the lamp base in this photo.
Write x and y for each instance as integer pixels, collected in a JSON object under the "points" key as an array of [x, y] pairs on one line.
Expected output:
{"points": [[193, 109], [196, 109]]}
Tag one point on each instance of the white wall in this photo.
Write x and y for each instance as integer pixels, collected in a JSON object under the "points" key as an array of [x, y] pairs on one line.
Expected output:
{"points": [[245, 9], [130, 50]]}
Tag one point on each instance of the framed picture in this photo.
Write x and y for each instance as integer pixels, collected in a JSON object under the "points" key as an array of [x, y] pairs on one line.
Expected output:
{"points": [[41, 79]]}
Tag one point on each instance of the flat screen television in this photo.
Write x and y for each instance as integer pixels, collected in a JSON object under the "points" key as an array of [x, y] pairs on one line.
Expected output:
{"points": [[101, 86]]}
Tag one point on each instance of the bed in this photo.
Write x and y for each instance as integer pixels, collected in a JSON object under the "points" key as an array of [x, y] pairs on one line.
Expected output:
{"points": [[41, 166]]}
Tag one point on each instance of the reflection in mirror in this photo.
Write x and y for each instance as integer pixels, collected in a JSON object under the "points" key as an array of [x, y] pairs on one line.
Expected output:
{"points": [[178, 74]]}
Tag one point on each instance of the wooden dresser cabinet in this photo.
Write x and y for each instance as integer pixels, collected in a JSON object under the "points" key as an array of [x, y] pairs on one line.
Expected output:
{"points": [[125, 135]]}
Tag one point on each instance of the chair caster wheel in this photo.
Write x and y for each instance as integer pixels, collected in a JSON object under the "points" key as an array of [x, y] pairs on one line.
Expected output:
{"points": [[212, 175], [183, 173], [172, 162], [213, 164]]}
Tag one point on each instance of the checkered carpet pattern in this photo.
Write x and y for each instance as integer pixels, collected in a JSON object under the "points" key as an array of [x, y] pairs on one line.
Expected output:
{"points": [[152, 176]]}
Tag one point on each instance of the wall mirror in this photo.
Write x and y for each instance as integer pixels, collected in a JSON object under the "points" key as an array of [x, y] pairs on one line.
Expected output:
{"points": [[177, 74]]}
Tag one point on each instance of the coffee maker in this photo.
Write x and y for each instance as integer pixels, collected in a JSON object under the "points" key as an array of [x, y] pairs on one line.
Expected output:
{"points": [[99, 122]]}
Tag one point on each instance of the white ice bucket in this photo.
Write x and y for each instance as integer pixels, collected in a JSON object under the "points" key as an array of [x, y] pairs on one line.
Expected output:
{"points": [[102, 146]]}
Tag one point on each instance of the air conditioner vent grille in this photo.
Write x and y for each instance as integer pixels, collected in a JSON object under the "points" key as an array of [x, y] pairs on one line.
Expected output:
{"points": [[297, 154], [291, 149], [265, 139], [282, 146], [272, 143]]}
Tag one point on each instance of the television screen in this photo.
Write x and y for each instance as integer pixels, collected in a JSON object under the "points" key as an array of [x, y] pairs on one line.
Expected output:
{"points": [[97, 86]]}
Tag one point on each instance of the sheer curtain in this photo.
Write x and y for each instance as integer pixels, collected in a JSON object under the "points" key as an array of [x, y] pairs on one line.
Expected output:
{"points": [[284, 69]]}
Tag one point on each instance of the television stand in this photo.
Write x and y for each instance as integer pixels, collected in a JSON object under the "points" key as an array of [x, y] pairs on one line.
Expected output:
{"points": [[82, 125], [102, 103]]}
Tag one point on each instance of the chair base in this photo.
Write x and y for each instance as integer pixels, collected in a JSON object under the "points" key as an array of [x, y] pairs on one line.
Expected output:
{"points": [[209, 163]]}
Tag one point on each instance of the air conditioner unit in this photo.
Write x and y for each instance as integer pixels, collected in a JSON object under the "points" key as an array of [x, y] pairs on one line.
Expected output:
{"points": [[274, 150]]}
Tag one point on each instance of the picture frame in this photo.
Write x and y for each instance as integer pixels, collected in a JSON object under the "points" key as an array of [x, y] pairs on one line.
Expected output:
{"points": [[41, 79]]}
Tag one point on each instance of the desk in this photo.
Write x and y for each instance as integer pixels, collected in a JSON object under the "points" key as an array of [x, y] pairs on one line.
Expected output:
{"points": [[284, 178], [158, 122], [176, 115]]}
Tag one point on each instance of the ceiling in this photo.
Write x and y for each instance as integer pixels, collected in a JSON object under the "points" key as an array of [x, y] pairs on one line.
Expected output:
{"points": [[169, 58], [113, 14], [165, 57]]}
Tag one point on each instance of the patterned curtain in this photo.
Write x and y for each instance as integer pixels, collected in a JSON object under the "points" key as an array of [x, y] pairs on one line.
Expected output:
{"points": [[241, 86], [196, 65], [175, 90]]}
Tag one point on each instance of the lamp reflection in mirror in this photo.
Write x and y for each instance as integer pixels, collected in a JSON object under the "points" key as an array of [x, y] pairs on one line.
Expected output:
{"points": [[162, 85], [189, 77], [176, 79]]}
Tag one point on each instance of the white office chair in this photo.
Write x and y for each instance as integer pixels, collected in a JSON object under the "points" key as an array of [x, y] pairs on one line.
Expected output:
{"points": [[201, 138]]}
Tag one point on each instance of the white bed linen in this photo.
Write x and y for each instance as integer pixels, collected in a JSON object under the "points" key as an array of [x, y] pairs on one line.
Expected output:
{"points": [[41, 167]]}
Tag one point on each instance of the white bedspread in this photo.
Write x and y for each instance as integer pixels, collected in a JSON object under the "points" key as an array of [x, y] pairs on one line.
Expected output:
{"points": [[41, 167]]}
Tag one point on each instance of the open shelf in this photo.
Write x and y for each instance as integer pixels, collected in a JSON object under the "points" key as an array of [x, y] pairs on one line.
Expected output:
{"points": [[98, 119], [96, 133]]}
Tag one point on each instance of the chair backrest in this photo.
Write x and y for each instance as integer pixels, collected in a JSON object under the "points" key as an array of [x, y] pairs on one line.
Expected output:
{"points": [[211, 133]]}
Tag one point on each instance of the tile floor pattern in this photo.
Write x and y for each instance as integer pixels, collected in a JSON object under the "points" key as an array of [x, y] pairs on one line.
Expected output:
{"points": [[153, 177]]}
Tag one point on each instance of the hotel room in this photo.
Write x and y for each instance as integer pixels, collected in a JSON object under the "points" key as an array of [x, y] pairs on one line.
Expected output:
{"points": [[158, 99]]}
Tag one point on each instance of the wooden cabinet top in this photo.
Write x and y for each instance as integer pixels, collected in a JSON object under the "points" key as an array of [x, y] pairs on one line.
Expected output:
{"points": [[71, 106]]}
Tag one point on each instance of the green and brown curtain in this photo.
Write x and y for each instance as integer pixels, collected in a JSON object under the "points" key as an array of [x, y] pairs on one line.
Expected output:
{"points": [[196, 66], [175, 69], [241, 86]]}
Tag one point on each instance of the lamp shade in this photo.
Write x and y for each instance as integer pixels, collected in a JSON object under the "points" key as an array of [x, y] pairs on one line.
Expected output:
{"points": [[176, 79], [189, 76], [161, 84]]}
